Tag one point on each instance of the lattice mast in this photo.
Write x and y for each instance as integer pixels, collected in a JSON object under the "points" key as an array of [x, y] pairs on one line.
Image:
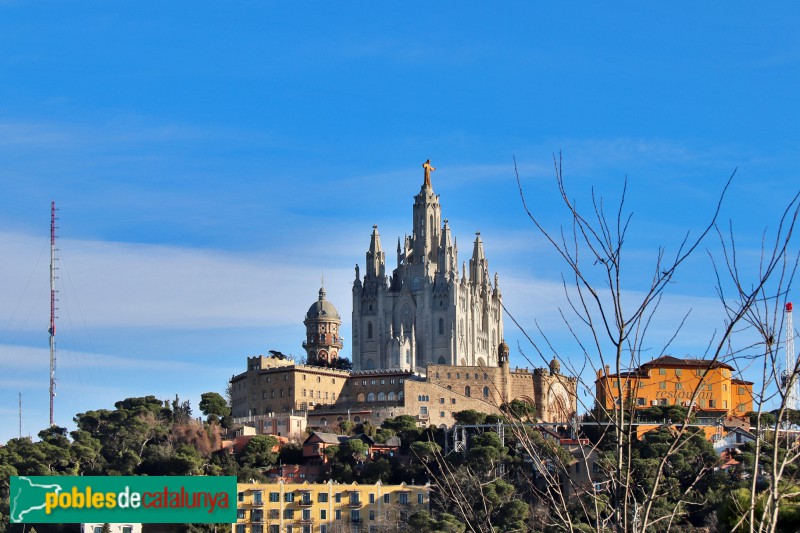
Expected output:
{"points": [[52, 310], [792, 392]]}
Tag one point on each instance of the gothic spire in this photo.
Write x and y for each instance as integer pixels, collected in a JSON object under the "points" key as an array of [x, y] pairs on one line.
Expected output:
{"points": [[376, 264]]}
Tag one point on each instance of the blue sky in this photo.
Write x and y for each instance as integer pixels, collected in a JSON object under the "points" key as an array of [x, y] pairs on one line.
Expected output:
{"points": [[211, 162]]}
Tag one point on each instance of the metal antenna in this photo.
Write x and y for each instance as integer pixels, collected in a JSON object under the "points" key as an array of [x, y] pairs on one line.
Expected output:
{"points": [[52, 310], [791, 384]]}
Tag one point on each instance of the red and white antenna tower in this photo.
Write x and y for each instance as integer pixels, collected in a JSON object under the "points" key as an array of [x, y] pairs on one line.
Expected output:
{"points": [[52, 310], [790, 378]]}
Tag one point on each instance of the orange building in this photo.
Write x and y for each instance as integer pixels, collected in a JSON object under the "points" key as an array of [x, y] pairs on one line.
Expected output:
{"points": [[671, 381]]}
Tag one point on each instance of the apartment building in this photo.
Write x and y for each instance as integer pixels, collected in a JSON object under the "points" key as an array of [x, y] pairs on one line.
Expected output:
{"points": [[326, 507]]}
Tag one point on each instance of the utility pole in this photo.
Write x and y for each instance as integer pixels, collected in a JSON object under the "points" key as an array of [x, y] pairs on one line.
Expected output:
{"points": [[52, 311]]}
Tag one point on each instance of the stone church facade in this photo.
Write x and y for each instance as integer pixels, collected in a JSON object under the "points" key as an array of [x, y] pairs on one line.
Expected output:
{"points": [[426, 312]]}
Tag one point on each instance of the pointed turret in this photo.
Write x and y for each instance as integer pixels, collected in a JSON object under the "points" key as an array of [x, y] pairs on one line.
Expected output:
{"points": [[445, 250], [376, 263], [399, 254], [478, 267]]}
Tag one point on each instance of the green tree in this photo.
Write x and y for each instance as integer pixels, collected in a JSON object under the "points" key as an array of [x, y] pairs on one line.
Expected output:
{"points": [[470, 417], [214, 406], [260, 451]]}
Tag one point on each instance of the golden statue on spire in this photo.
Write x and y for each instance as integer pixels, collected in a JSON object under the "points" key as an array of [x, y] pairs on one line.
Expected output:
{"points": [[428, 169]]}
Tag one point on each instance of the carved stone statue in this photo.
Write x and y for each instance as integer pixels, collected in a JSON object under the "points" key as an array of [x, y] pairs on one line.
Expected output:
{"points": [[428, 169]]}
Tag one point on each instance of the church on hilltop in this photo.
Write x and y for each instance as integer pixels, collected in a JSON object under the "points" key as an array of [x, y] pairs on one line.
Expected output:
{"points": [[427, 343], [426, 312]]}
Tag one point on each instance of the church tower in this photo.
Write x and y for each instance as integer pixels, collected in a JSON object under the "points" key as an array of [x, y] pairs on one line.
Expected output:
{"points": [[425, 312], [323, 339]]}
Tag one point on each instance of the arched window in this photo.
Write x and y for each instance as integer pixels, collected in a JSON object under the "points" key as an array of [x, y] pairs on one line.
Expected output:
{"points": [[391, 396], [381, 397], [356, 418], [360, 396], [369, 329], [408, 357], [449, 387], [371, 397], [441, 326], [466, 391], [486, 392], [400, 395], [441, 360]]}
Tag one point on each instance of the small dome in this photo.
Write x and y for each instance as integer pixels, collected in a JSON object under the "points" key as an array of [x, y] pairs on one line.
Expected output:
{"points": [[503, 351], [555, 366], [322, 308]]}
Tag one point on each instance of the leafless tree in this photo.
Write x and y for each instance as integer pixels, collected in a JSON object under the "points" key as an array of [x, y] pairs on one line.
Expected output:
{"points": [[609, 318]]}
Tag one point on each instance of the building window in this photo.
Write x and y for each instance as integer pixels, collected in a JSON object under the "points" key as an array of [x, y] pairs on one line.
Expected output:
{"points": [[385, 498], [452, 400], [274, 514], [322, 497], [355, 498], [441, 326], [678, 372], [441, 414], [323, 514], [383, 382], [390, 396], [402, 498], [400, 395], [338, 497], [257, 497], [662, 385], [274, 497], [423, 410], [679, 386], [355, 515], [306, 514], [467, 391], [241, 496], [640, 401], [288, 496], [420, 498], [486, 392], [441, 400], [712, 403], [371, 498], [381, 396], [239, 528], [369, 330], [371, 515], [240, 514], [662, 371], [741, 391], [337, 514], [371, 397], [288, 514], [724, 404]]}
